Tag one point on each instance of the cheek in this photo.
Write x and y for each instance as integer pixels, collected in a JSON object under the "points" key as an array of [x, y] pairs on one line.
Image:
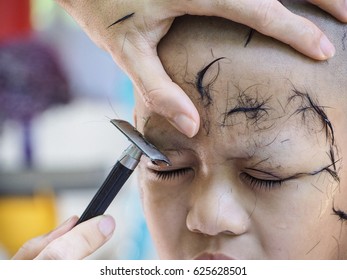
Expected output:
{"points": [[165, 210], [297, 223]]}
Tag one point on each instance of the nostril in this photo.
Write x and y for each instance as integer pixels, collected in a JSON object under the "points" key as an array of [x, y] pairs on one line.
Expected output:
{"points": [[200, 232], [195, 230], [228, 232]]}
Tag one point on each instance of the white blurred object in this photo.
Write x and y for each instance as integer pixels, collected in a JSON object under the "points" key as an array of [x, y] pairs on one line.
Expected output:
{"points": [[75, 136]]}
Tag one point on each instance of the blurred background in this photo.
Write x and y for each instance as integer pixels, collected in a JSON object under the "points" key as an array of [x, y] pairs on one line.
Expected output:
{"points": [[58, 92]]}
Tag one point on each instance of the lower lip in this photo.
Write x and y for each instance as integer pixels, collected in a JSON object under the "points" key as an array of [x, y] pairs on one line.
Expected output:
{"points": [[207, 256]]}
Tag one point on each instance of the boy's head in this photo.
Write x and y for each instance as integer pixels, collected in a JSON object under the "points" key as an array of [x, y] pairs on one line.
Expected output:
{"points": [[265, 177]]}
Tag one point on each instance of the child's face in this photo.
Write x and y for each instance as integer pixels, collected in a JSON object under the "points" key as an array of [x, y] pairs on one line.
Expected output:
{"points": [[263, 176]]}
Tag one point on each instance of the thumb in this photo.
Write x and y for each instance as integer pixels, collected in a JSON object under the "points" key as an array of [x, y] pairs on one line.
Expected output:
{"points": [[161, 95], [80, 241]]}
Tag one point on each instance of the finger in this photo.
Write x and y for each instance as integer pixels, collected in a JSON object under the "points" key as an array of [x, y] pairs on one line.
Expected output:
{"points": [[337, 8], [34, 246], [80, 241], [161, 94], [271, 18]]}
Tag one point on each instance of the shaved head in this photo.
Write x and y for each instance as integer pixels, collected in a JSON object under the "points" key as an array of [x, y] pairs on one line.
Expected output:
{"points": [[266, 170]]}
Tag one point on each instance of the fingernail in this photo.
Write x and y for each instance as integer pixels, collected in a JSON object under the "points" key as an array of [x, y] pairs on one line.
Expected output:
{"points": [[106, 225], [327, 47], [186, 125]]}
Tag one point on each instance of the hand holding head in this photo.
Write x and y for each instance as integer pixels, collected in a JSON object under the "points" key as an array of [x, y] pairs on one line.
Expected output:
{"points": [[130, 31]]}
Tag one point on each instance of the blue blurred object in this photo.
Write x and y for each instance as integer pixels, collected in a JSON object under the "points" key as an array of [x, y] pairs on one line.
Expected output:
{"points": [[124, 92]]}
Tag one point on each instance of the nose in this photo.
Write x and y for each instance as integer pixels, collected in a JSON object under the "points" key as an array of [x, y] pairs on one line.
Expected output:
{"points": [[217, 207]]}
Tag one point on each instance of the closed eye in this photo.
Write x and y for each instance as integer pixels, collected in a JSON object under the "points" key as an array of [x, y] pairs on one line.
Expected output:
{"points": [[261, 184], [171, 174]]}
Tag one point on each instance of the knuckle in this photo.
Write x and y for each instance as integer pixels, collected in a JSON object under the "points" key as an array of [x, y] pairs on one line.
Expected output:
{"points": [[263, 14], [89, 244], [30, 244], [150, 98], [28, 248], [55, 251], [308, 30], [154, 102], [64, 249]]}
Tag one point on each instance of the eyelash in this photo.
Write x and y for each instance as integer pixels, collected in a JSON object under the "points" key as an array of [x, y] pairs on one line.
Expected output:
{"points": [[255, 183], [171, 174], [261, 184]]}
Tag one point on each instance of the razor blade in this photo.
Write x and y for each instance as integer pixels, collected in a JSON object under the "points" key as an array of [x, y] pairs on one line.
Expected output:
{"points": [[140, 142]]}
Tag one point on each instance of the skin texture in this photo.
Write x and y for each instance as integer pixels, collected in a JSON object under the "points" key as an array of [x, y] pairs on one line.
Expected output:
{"points": [[265, 177], [130, 31]]}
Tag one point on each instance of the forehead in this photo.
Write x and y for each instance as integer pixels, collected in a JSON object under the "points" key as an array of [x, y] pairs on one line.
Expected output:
{"points": [[194, 42], [211, 54], [248, 121]]}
